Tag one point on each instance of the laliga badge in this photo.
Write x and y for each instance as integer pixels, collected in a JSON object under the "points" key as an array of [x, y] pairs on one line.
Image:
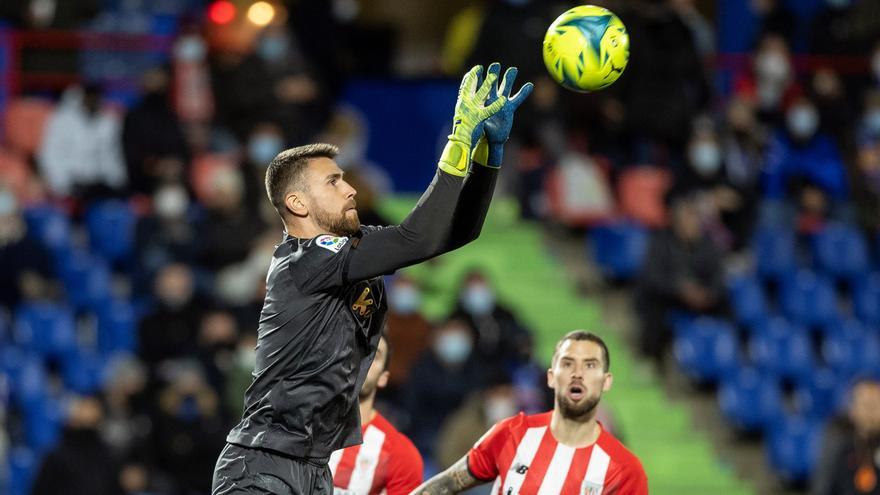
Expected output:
{"points": [[331, 243]]}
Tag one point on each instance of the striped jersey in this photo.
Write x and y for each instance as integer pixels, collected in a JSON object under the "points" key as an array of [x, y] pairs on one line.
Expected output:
{"points": [[385, 463], [522, 456]]}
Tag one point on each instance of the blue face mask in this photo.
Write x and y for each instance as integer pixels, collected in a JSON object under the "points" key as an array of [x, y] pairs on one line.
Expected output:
{"points": [[272, 48], [872, 122], [478, 300], [262, 149], [453, 347], [188, 410], [405, 299]]}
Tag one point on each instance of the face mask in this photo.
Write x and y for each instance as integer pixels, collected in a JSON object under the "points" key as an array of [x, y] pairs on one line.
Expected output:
{"points": [[272, 48], [188, 410], [705, 158], [246, 359], [872, 121], [190, 49], [499, 408], [8, 204], [772, 67], [262, 149], [802, 121], [478, 300], [171, 202], [405, 299], [838, 4], [453, 347]]}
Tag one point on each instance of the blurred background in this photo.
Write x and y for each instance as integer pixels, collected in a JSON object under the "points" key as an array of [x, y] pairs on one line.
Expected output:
{"points": [[713, 215]]}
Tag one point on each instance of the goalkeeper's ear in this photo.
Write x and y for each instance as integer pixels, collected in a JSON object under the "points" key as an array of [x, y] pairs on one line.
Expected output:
{"points": [[295, 205]]}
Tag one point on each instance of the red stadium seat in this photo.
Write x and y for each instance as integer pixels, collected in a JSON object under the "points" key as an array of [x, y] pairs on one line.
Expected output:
{"points": [[640, 192], [24, 122]]}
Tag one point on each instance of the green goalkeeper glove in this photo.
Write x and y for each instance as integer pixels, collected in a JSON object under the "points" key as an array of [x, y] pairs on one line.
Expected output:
{"points": [[470, 112]]}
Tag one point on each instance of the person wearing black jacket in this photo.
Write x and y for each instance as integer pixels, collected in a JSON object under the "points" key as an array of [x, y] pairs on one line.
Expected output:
{"points": [[325, 303]]}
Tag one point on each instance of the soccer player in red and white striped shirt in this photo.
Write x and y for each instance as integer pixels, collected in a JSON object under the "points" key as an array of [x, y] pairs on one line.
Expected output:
{"points": [[564, 451], [386, 462]]}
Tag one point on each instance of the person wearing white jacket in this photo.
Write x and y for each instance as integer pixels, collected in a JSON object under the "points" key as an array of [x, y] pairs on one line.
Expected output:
{"points": [[81, 153]]}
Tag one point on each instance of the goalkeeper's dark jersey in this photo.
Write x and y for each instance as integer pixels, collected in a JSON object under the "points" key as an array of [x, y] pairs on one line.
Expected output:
{"points": [[324, 310], [317, 338]]}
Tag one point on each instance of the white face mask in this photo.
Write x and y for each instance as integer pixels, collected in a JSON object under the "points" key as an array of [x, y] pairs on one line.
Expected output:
{"points": [[499, 408], [8, 203], [405, 299], [190, 48], [871, 121], [478, 299], [772, 67], [875, 65], [802, 120], [171, 202], [453, 347], [705, 158]]}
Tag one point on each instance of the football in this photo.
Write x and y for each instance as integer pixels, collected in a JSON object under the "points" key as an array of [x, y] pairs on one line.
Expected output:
{"points": [[586, 48]]}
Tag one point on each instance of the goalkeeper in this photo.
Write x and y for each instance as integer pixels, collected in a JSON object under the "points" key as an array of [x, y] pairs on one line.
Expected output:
{"points": [[325, 299]]}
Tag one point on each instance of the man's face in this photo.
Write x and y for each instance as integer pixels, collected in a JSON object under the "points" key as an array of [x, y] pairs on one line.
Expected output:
{"points": [[578, 378], [330, 199], [377, 375], [864, 409]]}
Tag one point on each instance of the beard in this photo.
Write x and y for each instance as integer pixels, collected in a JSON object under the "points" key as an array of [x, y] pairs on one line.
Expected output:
{"points": [[340, 224], [577, 412]]}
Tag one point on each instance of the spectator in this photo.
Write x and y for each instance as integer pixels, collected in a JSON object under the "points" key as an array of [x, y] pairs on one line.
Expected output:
{"points": [[228, 231], [851, 464], [26, 270], [264, 142], [407, 331], [664, 87], [464, 426], [218, 336], [771, 80], [152, 138], [166, 235], [127, 426], [499, 335], [682, 273], [274, 84], [169, 331], [81, 460], [440, 381], [189, 428], [800, 152], [240, 373], [81, 153], [835, 109]]}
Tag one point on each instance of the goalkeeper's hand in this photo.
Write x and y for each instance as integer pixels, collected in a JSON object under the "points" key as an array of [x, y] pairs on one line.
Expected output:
{"points": [[489, 150], [470, 112]]}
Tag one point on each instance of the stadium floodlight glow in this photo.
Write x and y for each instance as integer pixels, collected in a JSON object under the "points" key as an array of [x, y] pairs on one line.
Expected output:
{"points": [[261, 13], [221, 12]]}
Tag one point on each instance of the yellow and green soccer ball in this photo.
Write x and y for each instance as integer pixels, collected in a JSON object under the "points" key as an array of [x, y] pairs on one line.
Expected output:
{"points": [[586, 48]]}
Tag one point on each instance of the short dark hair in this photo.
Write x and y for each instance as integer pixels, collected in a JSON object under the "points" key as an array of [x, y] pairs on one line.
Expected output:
{"points": [[287, 168], [581, 335]]}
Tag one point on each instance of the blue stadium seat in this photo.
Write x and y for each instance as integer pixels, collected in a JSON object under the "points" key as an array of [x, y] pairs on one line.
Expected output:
{"points": [[111, 226], [747, 299], [819, 395], [866, 299], [50, 225], [792, 448], [750, 400], [809, 299], [43, 424], [840, 251], [706, 349], [83, 372], [783, 350], [775, 252], [23, 465], [849, 349], [619, 249], [87, 280], [45, 328], [117, 327], [31, 386]]}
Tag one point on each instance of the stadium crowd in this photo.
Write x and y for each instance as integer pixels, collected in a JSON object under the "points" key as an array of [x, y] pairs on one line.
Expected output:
{"points": [[135, 241]]}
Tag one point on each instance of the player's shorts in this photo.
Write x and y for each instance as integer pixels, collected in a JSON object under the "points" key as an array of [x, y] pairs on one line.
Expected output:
{"points": [[245, 470]]}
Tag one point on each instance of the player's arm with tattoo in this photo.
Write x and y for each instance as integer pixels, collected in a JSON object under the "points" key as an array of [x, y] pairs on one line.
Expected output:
{"points": [[457, 478]]}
